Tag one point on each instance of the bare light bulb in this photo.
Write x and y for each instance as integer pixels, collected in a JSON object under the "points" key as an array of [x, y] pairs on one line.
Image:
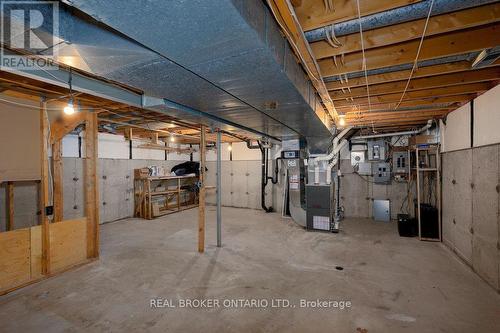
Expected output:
{"points": [[69, 109], [341, 121], [230, 147], [172, 139]]}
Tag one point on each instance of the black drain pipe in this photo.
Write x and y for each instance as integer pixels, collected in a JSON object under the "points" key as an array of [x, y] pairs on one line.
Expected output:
{"points": [[265, 176]]}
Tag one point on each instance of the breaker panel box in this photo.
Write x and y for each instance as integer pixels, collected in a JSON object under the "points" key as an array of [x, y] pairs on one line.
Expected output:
{"points": [[376, 150], [400, 163], [381, 173]]}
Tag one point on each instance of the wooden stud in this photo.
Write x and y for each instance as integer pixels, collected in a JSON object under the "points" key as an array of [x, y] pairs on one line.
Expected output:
{"points": [[10, 206], [61, 127], [58, 180], [91, 185], [44, 193], [201, 207]]}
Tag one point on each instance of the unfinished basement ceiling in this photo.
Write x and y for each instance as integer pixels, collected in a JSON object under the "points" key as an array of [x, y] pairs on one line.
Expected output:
{"points": [[446, 75], [226, 59]]}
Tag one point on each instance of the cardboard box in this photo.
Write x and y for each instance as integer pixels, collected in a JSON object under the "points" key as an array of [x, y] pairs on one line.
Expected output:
{"points": [[141, 173]]}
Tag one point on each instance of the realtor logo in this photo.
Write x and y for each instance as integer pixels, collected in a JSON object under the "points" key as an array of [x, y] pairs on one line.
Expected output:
{"points": [[29, 28]]}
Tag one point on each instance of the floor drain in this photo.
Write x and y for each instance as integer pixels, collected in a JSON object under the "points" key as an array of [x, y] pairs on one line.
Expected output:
{"points": [[339, 268]]}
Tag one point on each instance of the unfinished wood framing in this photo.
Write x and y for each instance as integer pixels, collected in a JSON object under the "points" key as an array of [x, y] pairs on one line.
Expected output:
{"points": [[10, 206], [57, 164], [44, 188], [91, 185]]}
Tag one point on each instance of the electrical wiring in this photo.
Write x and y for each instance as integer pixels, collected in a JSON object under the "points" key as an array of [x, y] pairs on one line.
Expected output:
{"points": [[364, 60], [49, 168], [418, 54]]}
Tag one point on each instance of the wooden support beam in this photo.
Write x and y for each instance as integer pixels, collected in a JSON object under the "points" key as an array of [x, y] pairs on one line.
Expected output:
{"points": [[10, 206], [473, 88], [64, 125], [399, 33], [312, 14], [481, 75], [91, 185], [459, 42], [44, 187], [58, 180], [201, 207]]}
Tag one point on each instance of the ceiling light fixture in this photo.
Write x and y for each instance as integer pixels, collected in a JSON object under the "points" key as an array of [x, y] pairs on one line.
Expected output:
{"points": [[342, 120], [69, 109]]}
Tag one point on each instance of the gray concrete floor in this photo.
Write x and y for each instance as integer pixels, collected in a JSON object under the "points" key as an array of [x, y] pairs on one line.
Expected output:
{"points": [[395, 284]]}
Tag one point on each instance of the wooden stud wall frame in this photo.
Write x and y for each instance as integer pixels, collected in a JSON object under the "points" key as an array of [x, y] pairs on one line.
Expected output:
{"points": [[31, 254]]}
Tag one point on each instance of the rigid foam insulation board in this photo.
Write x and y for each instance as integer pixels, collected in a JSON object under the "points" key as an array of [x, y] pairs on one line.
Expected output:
{"points": [[19, 142]]}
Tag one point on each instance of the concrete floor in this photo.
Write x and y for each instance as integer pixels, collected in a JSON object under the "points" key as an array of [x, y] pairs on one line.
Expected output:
{"points": [[395, 284]]}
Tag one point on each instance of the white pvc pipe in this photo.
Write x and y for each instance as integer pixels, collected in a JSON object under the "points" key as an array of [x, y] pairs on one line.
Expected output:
{"points": [[334, 162], [328, 157], [425, 128]]}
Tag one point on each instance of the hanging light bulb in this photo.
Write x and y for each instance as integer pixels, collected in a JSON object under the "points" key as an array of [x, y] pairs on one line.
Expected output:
{"points": [[69, 109], [172, 138], [342, 120], [230, 147]]}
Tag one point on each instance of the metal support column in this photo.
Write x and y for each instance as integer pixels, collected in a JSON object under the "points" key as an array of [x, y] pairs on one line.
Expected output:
{"points": [[219, 192]]}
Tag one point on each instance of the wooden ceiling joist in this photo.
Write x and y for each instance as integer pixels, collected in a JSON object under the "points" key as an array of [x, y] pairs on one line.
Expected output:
{"points": [[399, 33], [451, 100], [481, 75], [312, 14], [470, 89], [459, 42], [420, 72]]}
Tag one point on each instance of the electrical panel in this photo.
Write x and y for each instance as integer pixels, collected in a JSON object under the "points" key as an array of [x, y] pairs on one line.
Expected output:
{"points": [[376, 150], [357, 157], [381, 173], [400, 163], [364, 168]]}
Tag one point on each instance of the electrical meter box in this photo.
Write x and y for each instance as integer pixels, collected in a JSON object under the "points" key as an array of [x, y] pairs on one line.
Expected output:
{"points": [[376, 150]]}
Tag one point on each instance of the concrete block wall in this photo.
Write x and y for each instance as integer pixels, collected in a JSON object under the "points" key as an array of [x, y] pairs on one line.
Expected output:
{"points": [[241, 185], [240, 180], [471, 223], [358, 192], [471, 184]]}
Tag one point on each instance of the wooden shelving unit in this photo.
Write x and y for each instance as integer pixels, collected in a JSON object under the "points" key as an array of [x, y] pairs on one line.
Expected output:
{"points": [[151, 203]]}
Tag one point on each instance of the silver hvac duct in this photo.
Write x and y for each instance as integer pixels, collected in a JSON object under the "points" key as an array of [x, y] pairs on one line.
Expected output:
{"points": [[412, 12]]}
